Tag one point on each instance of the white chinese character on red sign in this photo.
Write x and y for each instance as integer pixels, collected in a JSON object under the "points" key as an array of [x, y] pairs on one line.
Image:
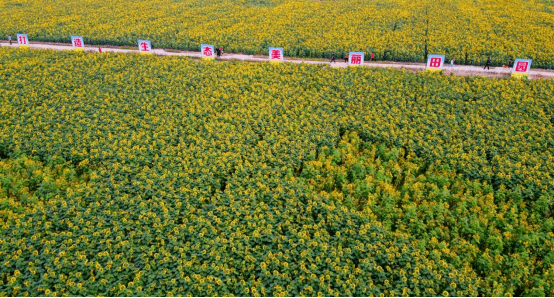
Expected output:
{"points": [[208, 52], [356, 59], [435, 62], [276, 54], [144, 46], [521, 66], [78, 43]]}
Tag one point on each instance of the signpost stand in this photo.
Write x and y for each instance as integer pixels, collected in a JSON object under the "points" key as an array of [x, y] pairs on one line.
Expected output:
{"points": [[521, 68], [208, 51], [435, 63], [145, 47], [355, 58], [276, 55], [22, 40], [78, 43]]}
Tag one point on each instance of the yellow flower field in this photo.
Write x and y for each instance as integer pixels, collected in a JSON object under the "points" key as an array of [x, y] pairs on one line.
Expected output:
{"points": [[468, 31], [137, 175]]}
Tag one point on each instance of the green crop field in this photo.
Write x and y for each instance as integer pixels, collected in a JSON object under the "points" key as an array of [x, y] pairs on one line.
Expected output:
{"points": [[401, 30], [133, 175]]}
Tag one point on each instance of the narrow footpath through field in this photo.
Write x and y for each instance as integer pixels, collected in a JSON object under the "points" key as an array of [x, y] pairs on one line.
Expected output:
{"points": [[459, 70]]}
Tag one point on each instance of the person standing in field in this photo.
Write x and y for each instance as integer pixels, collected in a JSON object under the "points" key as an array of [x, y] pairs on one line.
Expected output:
{"points": [[10, 39], [346, 57], [332, 58], [218, 52], [452, 63], [371, 56], [488, 64], [510, 63]]}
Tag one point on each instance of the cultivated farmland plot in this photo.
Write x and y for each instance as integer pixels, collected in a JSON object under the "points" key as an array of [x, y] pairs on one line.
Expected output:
{"points": [[399, 30], [141, 175]]}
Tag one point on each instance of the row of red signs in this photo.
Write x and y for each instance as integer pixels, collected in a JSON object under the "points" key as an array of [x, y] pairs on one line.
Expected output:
{"points": [[437, 62], [276, 54]]}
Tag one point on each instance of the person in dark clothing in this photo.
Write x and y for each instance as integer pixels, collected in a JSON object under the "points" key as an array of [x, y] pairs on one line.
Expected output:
{"points": [[346, 57], [488, 64], [510, 63], [332, 58], [218, 52]]}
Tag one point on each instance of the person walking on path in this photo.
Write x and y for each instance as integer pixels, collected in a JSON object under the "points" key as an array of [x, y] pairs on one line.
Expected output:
{"points": [[452, 63], [10, 39], [510, 63], [218, 52], [346, 57], [371, 56], [488, 64], [332, 58], [99, 50]]}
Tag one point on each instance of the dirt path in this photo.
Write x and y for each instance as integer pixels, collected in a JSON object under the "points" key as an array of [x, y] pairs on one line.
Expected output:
{"points": [[459, 70]]}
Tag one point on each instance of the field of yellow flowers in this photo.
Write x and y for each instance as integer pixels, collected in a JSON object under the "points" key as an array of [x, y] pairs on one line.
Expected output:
{"points": [[402, 30], [135, 175]]}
